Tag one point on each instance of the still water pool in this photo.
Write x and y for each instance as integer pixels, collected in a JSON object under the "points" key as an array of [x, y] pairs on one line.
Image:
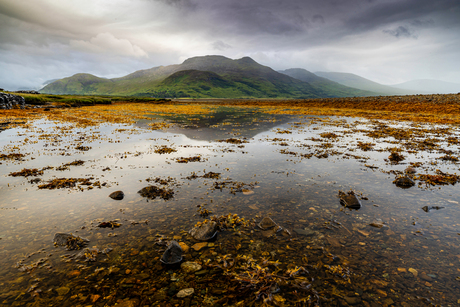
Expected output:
{"points": [[234, 166]]}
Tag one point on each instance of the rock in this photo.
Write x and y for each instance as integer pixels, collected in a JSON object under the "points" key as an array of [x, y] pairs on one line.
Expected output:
{"points": [[352, 300], [404, 182], [199, 246], [70, 241], [413, 271], [173, 254], [304, 232], [128, 303], [62, 291], [410, 170], [377, 224], [205, 231], [190, 267], [117, 195], [425, 277], [185, 292], [267, 223], [349, 200], [429, 208], [10, 101], [184, 247]]}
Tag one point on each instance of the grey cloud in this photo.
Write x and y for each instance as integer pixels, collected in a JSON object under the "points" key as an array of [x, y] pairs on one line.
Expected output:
{"points": [[220, 45], [318, 18], [401, 31]]}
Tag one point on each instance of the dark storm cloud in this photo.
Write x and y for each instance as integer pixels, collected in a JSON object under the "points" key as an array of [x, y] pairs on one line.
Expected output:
{"points": [[388, 12]]}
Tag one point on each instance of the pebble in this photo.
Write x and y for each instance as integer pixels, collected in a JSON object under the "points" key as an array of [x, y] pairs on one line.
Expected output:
{"points": [[185, 292], [413, 271], [305, 232], [62, 291], [198, 246], [190, 266], [352, 300]]}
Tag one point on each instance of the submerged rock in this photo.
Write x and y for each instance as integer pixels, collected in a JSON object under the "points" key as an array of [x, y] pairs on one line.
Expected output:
{"points": [[267, 223], [429, 208], [404, 182], [204, 231], [70, 241], [185, 292], [117, 195], [173, 254], [190, 267], [349, 200], [305, 232]]}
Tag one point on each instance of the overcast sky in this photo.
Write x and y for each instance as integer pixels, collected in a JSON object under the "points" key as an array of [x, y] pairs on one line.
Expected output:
{"points": [[387, 41]]}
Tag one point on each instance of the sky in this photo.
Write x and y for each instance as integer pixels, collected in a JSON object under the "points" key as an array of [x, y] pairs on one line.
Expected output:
{"points": [[387, 41]]}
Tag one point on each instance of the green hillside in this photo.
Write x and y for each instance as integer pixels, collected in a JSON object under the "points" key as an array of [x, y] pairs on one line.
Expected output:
{"points": [[203, 77]]}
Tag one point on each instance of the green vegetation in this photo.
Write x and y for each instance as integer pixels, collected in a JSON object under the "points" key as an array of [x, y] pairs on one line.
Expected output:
{"points": [[82, 100], [203, 77]]}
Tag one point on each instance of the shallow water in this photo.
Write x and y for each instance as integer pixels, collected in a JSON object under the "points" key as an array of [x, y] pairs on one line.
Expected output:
{"points": [[287, 170]]}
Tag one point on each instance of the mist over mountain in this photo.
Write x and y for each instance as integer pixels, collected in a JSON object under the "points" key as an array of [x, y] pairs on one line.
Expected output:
{"points": [[355, 81], [207, 77], [428, 86]]}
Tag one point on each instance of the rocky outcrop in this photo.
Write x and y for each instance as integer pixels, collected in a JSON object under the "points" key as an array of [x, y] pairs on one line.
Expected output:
{"points": [[10, 101]]}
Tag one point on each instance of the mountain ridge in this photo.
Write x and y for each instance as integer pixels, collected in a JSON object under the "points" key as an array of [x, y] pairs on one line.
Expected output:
{"points": [[240, 78]]}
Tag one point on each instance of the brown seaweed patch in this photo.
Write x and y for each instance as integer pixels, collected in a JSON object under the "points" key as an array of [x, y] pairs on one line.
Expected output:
{"points": [[164, 150], [233, 141], [12, 156], [153, 192], [190, 159], [62, 183], [26, 172]]}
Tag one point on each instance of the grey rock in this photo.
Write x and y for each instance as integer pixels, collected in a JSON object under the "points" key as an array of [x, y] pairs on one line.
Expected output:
{"points": [[204, 232], [173, 254], [10, 101]]}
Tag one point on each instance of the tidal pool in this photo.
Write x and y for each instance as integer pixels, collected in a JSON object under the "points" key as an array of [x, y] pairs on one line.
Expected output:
{"points": [[235, 166]]}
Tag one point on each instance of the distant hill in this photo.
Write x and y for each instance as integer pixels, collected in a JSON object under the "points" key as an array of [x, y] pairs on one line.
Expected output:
{"points": [[427, 86], [355, 81], [325, 84], [204, 77]]}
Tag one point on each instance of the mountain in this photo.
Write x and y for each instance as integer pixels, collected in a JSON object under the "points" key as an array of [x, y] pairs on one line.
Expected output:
{"points": [[202, 77], [326, 85], [427, 86], [355, 81]]}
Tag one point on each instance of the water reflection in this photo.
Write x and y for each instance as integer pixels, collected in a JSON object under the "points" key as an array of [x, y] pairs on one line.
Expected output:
{"points": [[397, 252]]}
